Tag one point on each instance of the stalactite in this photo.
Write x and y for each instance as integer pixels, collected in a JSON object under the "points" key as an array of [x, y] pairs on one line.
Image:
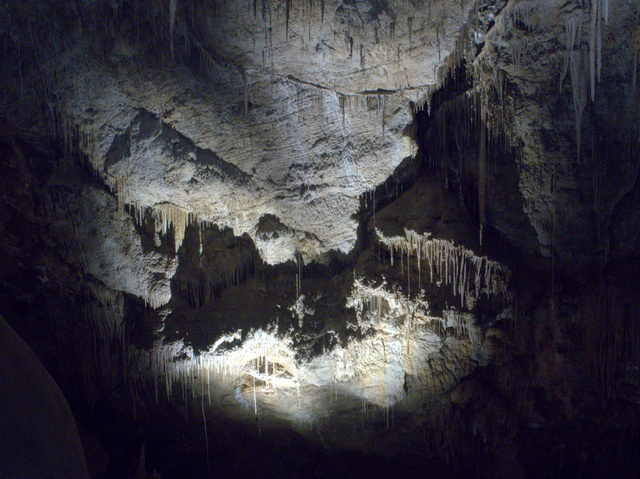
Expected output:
{"points": [[288, 8], [592, 47], [553, 244], [384, 109], [482, 187], [573, 33], [245, 91], [517, 47], [171, 216], [579, 94], [634, 69], [452, 264], [173, 4]]}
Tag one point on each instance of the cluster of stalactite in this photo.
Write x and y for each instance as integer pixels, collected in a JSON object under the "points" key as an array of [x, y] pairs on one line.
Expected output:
{"points": [[465, 432], [261, 360], [105, 317], [400, 338], [238, 265], [460, 136], [58, 209], [378, 303], [404, 342], [170, 216], [469, 275], [404, 176], [79, 142], [584, 76], [612, 343], [176, 28], [464, 131], [106, 313], [460, 117], [584, 30], [66, 210]]}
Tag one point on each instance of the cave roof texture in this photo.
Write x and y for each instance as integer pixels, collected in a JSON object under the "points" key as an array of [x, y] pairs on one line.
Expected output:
{"points": [[389, 227]]}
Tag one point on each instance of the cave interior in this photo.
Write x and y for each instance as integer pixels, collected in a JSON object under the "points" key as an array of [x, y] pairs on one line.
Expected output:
{"points": [[330, 238]]}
